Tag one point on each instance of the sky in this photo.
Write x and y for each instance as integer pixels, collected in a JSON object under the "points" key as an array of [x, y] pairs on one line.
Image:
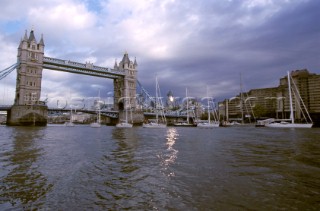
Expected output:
{"points": [[185, 43]]}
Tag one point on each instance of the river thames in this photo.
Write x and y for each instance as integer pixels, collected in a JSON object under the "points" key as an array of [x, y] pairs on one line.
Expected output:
{"points": [[107, 168]]}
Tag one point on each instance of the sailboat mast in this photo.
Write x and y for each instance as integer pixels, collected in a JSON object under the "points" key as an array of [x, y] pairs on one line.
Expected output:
{"points": [[227, 110], [241, 99], [187, 105], [290, 98], [157, 100], [208, 105], [99, 107]]}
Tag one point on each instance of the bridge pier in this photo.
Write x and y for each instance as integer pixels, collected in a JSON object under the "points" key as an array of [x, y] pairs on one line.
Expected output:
{"points": [[27, 115], [134, 117]]}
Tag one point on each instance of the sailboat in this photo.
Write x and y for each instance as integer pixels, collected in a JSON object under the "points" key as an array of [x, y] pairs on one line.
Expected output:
{"points": [[209, 124], [159, 107], [70, 123], [291, 123], [125, 123], [225, 122], [186, 123], [97, 124]]}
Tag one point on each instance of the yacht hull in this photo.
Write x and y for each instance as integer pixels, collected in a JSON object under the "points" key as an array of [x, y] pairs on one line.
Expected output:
{"points": [[288, 125], [124, 125]]}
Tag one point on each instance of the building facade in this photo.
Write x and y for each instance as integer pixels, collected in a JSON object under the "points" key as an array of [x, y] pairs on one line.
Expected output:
{"points": [[274, 102]]}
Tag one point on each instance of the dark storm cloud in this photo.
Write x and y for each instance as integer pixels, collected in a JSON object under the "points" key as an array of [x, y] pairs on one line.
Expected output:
{"points": [[262, 52], [186, 43]]}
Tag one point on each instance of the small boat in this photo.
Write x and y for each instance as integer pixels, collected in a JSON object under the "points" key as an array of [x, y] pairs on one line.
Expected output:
{"points": [[284, 124], [209, 123], [70, 123], [227, 124], [124, 125], [185, 123], [291, 123], [159, 108], [97, 124], [154, 125], [263, 123]]}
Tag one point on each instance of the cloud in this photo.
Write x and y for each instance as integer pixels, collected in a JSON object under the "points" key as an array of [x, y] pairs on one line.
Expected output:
{"points": [[186, 43]]}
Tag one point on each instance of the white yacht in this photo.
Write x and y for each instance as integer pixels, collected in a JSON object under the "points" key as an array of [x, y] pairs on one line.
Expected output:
{"points": [[185, 123], [159, 122], [291, 123], [209, 123]]}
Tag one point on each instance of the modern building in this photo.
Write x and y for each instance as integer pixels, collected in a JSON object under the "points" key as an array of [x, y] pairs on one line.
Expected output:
{"points": [[274, 102]]}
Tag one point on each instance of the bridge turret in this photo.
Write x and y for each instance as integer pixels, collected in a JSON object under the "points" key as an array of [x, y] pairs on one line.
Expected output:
{"points": [[23, 42], [32, 37], [28, 83], [41, 44], [115, 65], [135, 64], [126, 87], [30, 59]]}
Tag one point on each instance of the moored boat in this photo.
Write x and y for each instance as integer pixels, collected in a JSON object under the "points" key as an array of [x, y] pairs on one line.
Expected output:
{"points": [[291, 123], [158, 109]]}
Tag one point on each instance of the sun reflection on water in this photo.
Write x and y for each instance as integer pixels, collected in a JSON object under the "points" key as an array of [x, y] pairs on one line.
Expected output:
{"points": [[169, 156]]}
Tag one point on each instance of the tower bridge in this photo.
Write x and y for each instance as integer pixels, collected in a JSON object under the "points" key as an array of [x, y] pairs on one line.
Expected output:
{"points": [[28, 109]]}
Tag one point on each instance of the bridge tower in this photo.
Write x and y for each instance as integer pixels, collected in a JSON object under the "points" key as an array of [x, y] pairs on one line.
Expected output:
{"points": [[27, 108], [126, 86]]}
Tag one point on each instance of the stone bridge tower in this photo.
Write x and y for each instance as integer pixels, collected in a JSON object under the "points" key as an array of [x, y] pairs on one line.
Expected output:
{"points": [[27, 108], [125, 88]]}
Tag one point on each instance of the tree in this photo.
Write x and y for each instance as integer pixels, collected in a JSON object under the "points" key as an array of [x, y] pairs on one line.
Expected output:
{"points": [[259, 111]]}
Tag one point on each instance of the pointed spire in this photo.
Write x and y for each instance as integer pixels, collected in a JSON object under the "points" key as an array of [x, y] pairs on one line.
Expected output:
{"points": [[135, 62], [125, 58], [20, 45], [31, 36], [41, 40], [115, 64], [25, 36]]}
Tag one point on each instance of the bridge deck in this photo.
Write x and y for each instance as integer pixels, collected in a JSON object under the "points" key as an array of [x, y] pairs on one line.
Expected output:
{"points": [[79, 68]]}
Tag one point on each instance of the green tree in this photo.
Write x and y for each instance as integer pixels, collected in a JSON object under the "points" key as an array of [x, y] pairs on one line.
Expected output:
{"points": [[259, 111]]}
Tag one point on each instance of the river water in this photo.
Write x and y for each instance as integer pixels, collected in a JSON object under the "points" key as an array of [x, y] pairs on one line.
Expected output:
{"points": [[107, 168]]}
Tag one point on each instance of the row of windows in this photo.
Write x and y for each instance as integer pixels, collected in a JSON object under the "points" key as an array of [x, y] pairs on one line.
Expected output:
{"points": [[131, 72], [29, 70], [34, 47], [30, 83], [30, 97], [32, 55], [131, 84]]}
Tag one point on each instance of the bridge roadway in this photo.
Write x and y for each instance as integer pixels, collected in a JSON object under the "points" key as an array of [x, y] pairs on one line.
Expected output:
{"points": [[111, 114], [108, 113], [79, 68]]}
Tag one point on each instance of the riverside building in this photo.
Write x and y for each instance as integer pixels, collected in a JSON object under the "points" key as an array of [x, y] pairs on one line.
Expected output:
{"points": [[274, 102]]}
